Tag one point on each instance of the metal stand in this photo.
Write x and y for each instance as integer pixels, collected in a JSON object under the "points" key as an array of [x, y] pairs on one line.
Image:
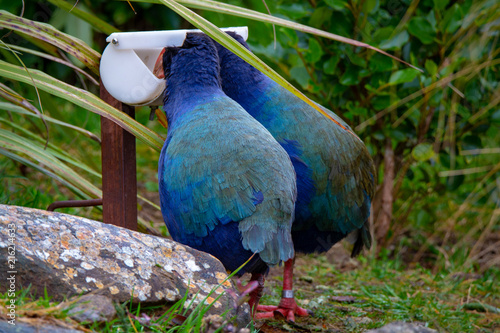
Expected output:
{"points": [[119, 179], [74, 203]]}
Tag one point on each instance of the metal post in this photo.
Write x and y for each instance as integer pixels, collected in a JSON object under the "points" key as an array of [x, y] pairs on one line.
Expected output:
{"points": [[119, 179]]}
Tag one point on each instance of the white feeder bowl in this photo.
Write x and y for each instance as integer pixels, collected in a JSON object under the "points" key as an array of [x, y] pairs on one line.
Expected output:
{"points": [[127, 63]]}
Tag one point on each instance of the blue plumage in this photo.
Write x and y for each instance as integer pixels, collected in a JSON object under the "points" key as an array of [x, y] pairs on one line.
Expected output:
{"points": [[335, 173], [226, 186]]}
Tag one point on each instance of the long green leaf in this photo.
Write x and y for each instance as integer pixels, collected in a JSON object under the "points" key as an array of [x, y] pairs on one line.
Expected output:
{"points": [[51, 148], [14, 142], [82, 98], [13, 97], [42, 169], [20, 110], [55, 59], [21, 101], [96, 22], [49, 34], [56, 152], [224, 8], [231, 44]]}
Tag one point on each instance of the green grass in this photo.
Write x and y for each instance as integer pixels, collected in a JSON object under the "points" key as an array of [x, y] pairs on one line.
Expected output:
{"points": [[381, 290], [441, 264], [385, 291], [22, 186], [443, 294], [130, 317]]}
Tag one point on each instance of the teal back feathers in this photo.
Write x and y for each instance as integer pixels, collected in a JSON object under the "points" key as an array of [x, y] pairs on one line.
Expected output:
{"points": [[226, 186], [335, 173]]}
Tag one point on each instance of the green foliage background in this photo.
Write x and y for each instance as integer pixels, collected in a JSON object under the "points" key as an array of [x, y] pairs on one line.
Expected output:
{"points": [[434, 135]]}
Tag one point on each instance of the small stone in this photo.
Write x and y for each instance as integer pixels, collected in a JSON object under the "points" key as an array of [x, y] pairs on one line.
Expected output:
{"points": [[343, 299], [306, 278], [92, 308], [323, 287], [401, 327], [317, 302], [212, 323], [363, 320], [215, 323]]}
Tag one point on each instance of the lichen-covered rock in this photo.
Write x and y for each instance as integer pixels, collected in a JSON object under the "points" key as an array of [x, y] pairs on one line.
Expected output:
{"points": [[70, 255], [401, 327]]}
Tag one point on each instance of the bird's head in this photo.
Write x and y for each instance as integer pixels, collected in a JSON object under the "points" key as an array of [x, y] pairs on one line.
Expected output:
{"points": [[223, 51], [237, 37], [190, 68], [197, 49]]}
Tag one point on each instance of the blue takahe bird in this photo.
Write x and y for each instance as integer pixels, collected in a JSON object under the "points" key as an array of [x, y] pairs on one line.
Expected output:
{"points": [[226, 186], [335, 173]]}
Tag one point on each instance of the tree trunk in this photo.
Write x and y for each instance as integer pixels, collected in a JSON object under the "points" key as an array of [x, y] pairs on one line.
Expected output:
{"points": [[384, 215]]}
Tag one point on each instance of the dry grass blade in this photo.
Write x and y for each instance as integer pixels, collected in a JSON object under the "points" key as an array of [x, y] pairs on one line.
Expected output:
{"points": [[274, 27], [441, 83], [412, 109], [130, 4], [476, 194], [55, 59], [494, 102], [409, 13], [480, 151], [13, 97], [20, 100], [469, 171], [41, 168], [96, 22], [486, 231], [15, 143], [16, 109], [49, 34]]}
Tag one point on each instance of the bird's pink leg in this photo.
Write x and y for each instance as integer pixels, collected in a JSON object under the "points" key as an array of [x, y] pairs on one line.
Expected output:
{"points": [[253, 288], [287, 308], [256, 293]]}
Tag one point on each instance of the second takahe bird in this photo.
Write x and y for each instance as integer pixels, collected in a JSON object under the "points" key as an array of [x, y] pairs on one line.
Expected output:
{"points": [[335, 173], [226, 186]]}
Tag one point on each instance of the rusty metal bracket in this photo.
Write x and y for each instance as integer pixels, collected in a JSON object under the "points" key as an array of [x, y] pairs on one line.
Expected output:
{"points": [[119, 178], [74, 203]]}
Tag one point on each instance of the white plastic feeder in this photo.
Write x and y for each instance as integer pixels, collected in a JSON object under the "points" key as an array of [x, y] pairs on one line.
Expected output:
{"points": [[127, 63]]}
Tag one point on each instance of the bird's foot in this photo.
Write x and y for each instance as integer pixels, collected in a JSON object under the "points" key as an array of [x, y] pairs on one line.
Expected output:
{"points": [[287, 309], [244, 292], [250, 292], [247, 291]]}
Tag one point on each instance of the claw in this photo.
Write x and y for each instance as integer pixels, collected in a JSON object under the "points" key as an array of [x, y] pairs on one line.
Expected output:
{"points": [[287, 309]]}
